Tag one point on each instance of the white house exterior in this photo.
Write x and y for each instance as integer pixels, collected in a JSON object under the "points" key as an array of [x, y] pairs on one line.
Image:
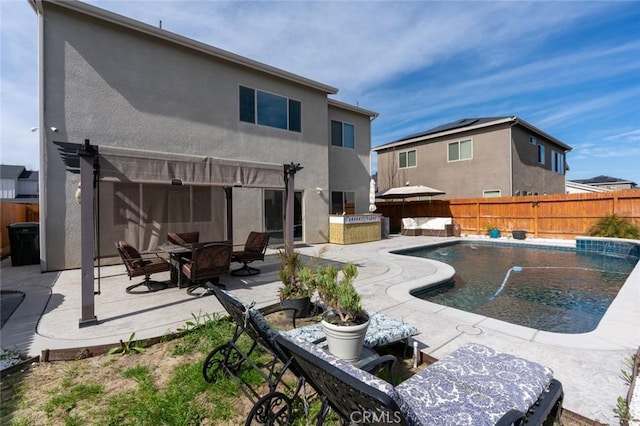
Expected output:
{"points": [[161, 108]]}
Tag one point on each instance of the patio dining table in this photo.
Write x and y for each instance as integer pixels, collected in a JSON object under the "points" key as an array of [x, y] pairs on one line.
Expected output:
{"points": [[175, 254]]}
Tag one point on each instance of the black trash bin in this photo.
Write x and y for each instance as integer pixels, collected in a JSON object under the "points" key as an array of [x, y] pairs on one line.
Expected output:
{"points": [[24, 241]]}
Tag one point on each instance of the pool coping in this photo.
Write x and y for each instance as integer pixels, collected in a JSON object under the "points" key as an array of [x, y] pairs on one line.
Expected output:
{"points": [[616, 330]]}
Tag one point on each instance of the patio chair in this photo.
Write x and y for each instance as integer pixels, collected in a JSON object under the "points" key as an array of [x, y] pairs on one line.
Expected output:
{"points": [[137, 266], [474, 385], [204, 265], [275, 406], [183, 238], [254, 249]]}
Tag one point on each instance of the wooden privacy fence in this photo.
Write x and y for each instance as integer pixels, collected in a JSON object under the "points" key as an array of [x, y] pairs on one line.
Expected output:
{"points": [[15, 213], [543, 216]]}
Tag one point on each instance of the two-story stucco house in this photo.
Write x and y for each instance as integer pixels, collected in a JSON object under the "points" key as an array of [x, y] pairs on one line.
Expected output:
{"points": [[177, 125], [479, 157]]}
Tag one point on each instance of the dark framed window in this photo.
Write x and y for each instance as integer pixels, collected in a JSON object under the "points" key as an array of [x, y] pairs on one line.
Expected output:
{"points": [[268, 109], [343, 134], [247, 105], [541, 154], [557, 162], [343, 202], [274, 215]]}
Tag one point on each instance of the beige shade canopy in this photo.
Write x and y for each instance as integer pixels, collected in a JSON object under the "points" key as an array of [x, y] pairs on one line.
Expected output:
{"points": [[408, 191]]}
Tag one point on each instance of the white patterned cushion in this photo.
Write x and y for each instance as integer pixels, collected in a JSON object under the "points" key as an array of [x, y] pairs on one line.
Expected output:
{"points": [[474, 385], [382, 330]]}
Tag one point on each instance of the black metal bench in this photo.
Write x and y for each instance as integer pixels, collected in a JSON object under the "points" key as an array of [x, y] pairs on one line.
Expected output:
{"points": [[474, 385], [275, 406]]}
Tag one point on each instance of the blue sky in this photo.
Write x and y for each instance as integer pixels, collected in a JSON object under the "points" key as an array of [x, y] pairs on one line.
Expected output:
{"points": [[571, 69]]}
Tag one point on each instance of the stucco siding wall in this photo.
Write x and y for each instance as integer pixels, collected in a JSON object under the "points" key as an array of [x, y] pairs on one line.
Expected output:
{"points": [[487, 170], [349, 168], [121, 88], [529, 174]]}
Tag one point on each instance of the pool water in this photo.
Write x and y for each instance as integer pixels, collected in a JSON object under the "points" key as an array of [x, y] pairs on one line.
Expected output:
{"points": [[561, 291]]}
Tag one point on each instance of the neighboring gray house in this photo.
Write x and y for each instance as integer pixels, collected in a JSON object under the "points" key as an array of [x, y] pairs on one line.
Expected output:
{"points": [[608, 182], [478, 157], [18, 184], [163, 108]]}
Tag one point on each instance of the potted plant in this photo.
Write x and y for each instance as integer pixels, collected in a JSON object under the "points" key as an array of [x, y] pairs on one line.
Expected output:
{"points": [[344, 321], [297, 283], [493, 231]]}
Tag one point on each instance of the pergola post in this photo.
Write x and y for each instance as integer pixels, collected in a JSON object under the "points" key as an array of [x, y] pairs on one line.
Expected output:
{"points": [[289, 180], [87, 155]]}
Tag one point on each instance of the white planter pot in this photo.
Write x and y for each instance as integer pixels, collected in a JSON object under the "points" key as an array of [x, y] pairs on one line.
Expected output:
{"points": [[345, 342]]}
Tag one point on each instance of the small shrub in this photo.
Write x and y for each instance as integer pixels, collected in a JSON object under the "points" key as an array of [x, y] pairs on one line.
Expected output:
{"points": [[128, 348], [615, 227]]}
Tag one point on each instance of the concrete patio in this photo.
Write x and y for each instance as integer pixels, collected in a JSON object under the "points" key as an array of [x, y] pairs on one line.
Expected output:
{"points": [[588, 365]]}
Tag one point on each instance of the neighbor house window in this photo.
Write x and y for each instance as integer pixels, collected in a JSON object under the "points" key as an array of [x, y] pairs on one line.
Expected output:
{"points": [[343, 202], [343, 134], [407, 159], [557, 162], [490, 193], [541, 154], [271, 110], [460, 150]]}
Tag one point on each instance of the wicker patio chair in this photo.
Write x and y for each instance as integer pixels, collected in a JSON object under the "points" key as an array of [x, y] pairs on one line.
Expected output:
{"points": [[204, 266], [254, 250], [138, 265]]}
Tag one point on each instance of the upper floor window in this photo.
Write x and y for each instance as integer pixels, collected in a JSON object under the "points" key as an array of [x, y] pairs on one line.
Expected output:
{"points": [[460, 150], [541, 154], [533, 140], [271, 110], [557, 162], [407, 159], [343, 134]]}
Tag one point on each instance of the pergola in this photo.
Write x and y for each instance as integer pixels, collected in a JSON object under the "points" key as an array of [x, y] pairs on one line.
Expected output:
{"points": [[112, 164]]}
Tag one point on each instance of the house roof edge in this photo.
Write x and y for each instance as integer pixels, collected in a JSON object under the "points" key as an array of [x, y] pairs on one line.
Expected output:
{"points": [[133, 24]]}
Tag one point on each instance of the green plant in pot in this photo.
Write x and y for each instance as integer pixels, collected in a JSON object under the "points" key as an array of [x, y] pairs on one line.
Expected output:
{"points": [[296, 288], [344, 321]]}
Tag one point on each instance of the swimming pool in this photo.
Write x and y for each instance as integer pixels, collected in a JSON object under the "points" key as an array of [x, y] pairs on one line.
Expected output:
{"points": [[551, 289]]}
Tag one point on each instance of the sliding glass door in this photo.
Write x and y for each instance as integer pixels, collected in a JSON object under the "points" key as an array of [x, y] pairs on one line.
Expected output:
{"points": [[274, 215]]}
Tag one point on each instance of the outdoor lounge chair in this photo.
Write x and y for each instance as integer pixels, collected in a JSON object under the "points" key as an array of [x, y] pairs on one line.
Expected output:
{"points": [[204, 265], [275, 406], [137, 266], [474, 385], [254, 249]]}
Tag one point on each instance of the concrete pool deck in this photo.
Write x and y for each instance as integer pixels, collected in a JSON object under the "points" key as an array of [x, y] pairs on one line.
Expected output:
{"points": [[588, 365]]}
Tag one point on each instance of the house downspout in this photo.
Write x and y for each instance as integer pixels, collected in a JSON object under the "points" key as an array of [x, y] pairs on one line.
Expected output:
{"points": [[511, 142], [510, 162]]}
